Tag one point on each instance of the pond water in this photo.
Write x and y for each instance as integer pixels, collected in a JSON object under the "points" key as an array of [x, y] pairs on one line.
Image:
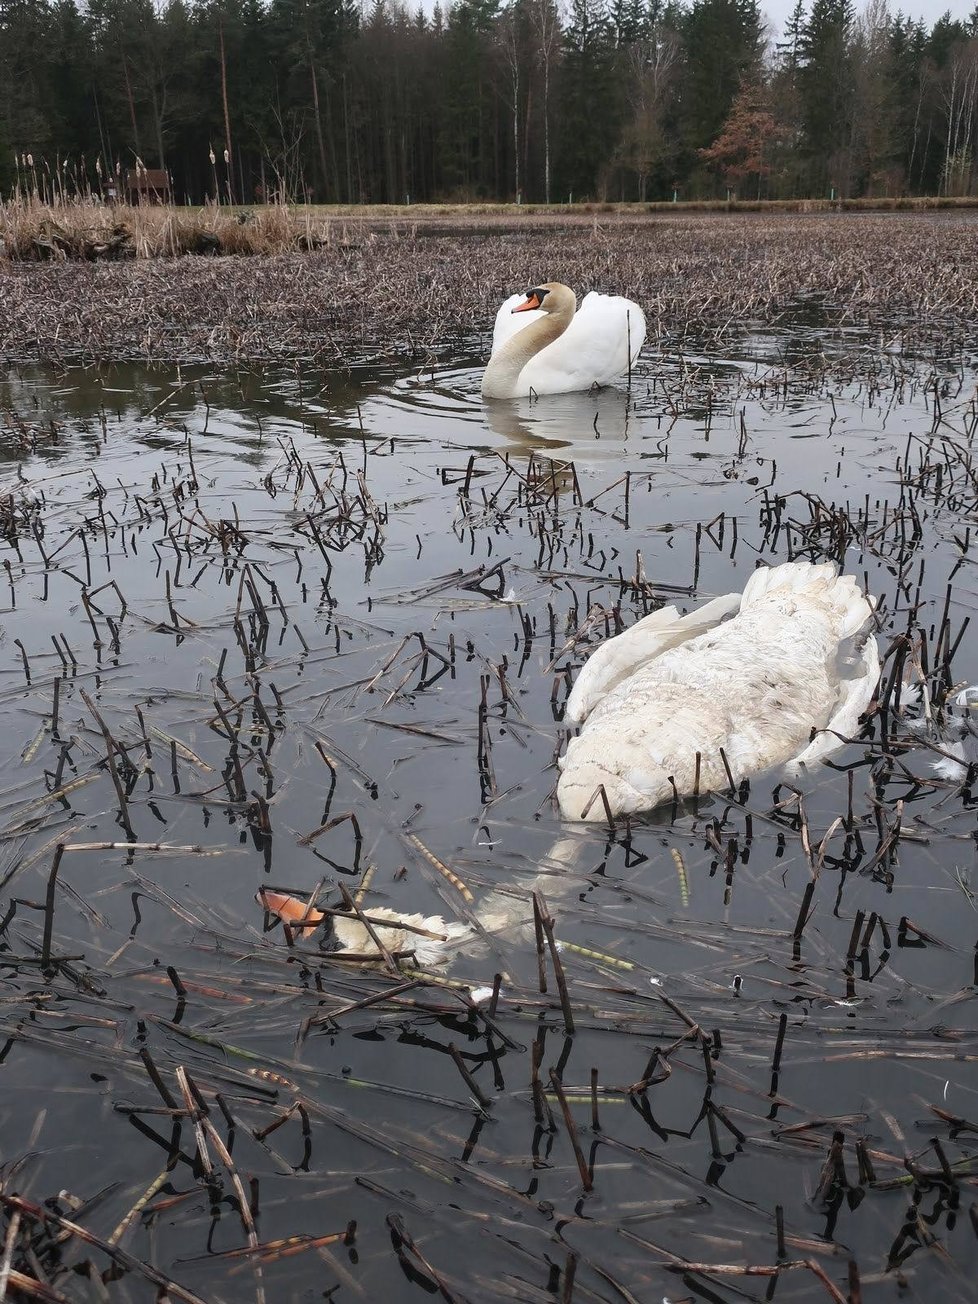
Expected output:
{"points": [[312, 630]]}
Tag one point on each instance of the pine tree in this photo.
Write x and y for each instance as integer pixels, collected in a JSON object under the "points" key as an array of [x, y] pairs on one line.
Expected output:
{"points": [[25, 74], [788, 49], [723, 48], [826, 94], [466, 125], [589, 102]]}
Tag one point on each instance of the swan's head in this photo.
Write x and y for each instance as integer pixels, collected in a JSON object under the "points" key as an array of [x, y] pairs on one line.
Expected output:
{"points": [[551, 296]]}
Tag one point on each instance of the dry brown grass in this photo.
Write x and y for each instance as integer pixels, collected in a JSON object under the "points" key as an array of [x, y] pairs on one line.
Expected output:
{"points": [[383, 286], [31, 230], [34, 231]]}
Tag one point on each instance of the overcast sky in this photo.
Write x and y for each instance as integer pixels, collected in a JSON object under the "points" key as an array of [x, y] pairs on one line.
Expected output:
{"points": [[777, 11]]}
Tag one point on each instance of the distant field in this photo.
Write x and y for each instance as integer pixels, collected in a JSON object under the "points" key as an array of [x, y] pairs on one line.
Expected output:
{"points": [[733, 205], [334, 288]]}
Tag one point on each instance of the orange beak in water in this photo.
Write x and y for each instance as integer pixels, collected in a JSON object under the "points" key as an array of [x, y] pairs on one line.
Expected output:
{"points": [[532, 301], [297, 914]]}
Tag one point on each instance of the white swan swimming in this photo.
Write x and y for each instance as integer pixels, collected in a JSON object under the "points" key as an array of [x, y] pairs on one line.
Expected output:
{"points": [[673, 688], [542, 345]]}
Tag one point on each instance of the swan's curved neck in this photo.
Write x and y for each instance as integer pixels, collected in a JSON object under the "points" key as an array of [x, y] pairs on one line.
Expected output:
{"points": [[505, 366]]}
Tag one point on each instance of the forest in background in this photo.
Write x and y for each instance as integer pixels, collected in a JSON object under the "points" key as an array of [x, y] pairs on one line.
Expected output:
{"points": [[635, 100]]}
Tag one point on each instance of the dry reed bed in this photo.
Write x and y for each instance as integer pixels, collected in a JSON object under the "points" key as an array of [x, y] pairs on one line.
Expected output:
{"points": [[36, 232], [31, 230], [414, 287]]}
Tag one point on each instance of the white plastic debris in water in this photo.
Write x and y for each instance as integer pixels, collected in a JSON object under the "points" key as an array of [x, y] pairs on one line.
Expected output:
{"points": [[480, 994], [509, 597], [967, 699]]}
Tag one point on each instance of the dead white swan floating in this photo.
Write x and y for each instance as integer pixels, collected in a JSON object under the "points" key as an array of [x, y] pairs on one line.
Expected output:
{"points": [[752, 674], [542, 344], [794, 656]]}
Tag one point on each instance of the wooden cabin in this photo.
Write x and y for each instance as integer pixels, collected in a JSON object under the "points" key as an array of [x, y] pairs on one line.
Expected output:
{"points": [[147, 186]]}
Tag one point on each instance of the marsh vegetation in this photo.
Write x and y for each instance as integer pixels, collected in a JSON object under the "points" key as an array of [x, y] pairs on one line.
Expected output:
{"points": [[310, 625], [423, 288]]}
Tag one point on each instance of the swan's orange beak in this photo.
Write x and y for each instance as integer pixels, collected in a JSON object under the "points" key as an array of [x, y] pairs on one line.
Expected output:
{"points": [[289, 909], [532, 301]]}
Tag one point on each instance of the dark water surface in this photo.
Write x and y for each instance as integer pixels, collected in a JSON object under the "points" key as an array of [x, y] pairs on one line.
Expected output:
{"points": [[343, 606]]}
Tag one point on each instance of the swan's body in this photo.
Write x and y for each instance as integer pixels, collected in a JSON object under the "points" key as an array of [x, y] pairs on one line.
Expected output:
{"points": [[756, 686], [542, 345]]}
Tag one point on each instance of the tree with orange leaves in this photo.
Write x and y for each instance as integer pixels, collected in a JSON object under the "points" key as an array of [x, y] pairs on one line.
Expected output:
{"points": [[745, 144]]}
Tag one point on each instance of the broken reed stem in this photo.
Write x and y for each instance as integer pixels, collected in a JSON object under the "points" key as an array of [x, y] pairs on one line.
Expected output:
{"points": [[389, 960], [59, 851], [154, 1076], [244, 1204], [833, 1173], [599, 792], [676, 1264], [440, 865], [538, 934], [402, 1242], [27, 664], [8, 1252], [803, 915], [586, 1180], [726, 767], [110, 748], [115, 1252], [497, 983], [467, 1077], [547, 924], [288, 1247], [195, 1113], [308, 839], [646, 1080], [778, 1049], [570, 1265]]}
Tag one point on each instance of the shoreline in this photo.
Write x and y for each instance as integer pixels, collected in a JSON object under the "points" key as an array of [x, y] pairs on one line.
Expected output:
{"points": [[421, 291]]}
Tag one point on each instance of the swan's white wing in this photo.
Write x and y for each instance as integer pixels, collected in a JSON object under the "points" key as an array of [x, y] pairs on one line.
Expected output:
{"points": [[508, 323], [854, 696], [619, 657], [840, 595], [599, 345]]}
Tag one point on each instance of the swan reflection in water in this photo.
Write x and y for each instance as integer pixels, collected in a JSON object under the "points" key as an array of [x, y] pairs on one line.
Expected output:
{"points": [[588, 426]]}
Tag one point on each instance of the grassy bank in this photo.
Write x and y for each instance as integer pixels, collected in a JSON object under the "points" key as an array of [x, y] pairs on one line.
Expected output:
{"points": [[374, 287], [91, 231]]}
